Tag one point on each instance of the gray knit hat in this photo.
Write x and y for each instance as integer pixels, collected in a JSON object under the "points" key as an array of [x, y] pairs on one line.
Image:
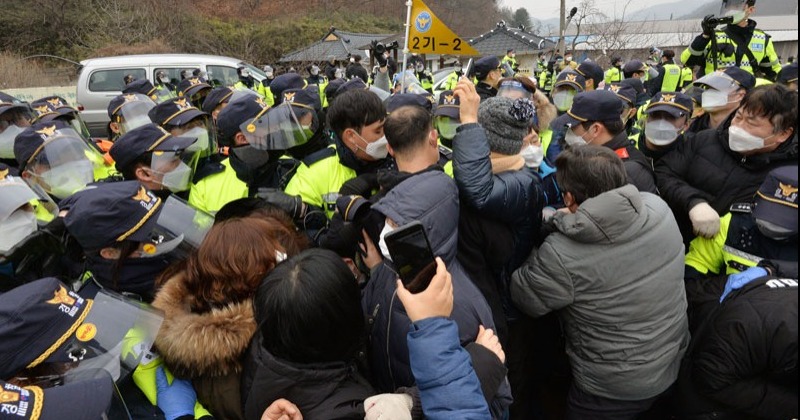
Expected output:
{"points": [[506, 122]]}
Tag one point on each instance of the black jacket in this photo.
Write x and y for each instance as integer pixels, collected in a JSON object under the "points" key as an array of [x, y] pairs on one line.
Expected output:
{"points": [[743, 361], [332, 391], [357, 70], [640, 172], [705, 169], [485, 91]]}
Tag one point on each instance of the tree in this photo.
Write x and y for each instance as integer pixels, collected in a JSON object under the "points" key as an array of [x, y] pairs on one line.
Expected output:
{"points": [[521, 18]]}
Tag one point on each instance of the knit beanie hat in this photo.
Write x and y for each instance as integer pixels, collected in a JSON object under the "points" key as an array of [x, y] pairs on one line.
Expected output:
{"points": [[507, 122]]}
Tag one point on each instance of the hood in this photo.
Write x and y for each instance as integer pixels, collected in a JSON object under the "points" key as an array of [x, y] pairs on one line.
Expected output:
{"points": [[201, 344], [431, 198], [608, 218]]}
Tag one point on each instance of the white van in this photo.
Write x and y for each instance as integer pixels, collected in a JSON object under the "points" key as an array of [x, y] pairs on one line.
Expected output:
{"points": [[101, 79]]}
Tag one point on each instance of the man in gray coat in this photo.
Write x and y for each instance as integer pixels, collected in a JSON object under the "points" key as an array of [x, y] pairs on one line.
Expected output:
{"points": [[613, 267]]}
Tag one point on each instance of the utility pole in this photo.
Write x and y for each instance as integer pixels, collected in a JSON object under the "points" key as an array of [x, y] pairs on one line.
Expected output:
{"points": [[562, 26]]}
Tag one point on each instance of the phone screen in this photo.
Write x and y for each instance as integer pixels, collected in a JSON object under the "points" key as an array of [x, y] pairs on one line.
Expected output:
{"points": [[412, 256]]}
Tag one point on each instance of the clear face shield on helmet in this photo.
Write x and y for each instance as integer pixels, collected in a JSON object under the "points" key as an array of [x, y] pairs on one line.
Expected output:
{"points": [[179, 230], [447, 127], [63, 164], [12, 122], [134, 114], [175, 168], [77, 124], [201, 128], [506, 69], [514, 90], [115, 336], [17, 213], [280, 128], [384, 95], [736, 9], [160, 94]]}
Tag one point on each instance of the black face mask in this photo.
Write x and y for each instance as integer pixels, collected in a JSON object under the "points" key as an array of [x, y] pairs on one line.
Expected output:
{"points": [[249, 162]]}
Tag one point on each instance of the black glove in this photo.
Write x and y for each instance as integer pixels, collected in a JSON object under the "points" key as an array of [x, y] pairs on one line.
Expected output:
{"points": [[381, 60], [291, 204], [709, 25], [361, 185]]}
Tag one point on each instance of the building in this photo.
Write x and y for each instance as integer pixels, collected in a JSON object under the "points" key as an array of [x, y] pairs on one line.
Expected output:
{"points": [[337, 44], [502, 38]]}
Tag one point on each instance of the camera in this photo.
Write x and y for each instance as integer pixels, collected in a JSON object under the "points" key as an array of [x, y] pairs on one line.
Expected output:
{"points": [[381, 48], [717, 21]]}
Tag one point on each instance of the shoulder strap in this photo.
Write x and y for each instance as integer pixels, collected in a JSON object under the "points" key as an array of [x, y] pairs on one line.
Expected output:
{"points": [[319, 155], [743, 48]]}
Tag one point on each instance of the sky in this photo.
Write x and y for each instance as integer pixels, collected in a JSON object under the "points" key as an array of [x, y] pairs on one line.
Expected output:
{"points": [[548, 9]]}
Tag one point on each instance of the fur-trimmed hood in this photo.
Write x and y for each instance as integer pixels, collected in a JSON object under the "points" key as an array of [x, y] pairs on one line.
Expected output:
{"points": [[201, 344]]}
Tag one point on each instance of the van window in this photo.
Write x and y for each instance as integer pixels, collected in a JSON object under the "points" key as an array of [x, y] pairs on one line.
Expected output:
{"points": [[112, 80], [222, 75], [174, 74]]}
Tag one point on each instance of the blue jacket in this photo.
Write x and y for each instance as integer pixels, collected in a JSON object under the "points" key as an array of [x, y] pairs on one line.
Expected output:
{"points": [[448, 386], [431, 198]]}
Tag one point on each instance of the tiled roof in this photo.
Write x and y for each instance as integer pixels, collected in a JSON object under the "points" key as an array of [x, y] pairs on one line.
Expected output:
{"points": [[502, 38], [336, 43]]}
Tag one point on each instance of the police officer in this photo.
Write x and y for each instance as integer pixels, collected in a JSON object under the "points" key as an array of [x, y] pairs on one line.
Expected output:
{"points": [[614, 73], [593, 74], [627, 95], [15, 116], [54, 157], [126, 112], [164, 82], [723, 91], [216, 100], [144, 87], [195, 89], [541, 65], [315, 78], [424, 76], [285, 82], [739, 44], [669, 75], [247, 81], [488, 71], [667, 118], [452, 78], [788, 76], [181, 119], [356, 120], [355, 69], [151, 155], [511, 60], [762, 229], [568, 85]]}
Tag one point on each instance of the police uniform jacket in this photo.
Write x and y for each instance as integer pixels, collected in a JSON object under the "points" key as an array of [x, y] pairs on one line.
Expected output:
{"points": [[705, 169]]}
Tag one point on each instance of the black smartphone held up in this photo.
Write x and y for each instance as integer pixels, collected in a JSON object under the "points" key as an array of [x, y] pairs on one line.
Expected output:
{"points": [[412, 256], [468, 69]]}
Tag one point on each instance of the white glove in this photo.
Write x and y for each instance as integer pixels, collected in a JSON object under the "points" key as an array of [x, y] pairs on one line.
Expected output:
{"points": [[705, 220], [388, 407]]}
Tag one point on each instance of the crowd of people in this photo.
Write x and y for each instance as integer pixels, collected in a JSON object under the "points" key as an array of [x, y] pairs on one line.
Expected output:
{"points": [[605, 244]]}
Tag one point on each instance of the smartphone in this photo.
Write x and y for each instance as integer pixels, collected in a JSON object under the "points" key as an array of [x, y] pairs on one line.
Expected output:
{"points": [[412, 256], [468, 69]]}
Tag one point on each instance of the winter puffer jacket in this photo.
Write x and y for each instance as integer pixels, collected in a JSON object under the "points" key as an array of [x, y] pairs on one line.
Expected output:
{"points": [[208, 347], [705, 169], [614, 269], [432, 199]]}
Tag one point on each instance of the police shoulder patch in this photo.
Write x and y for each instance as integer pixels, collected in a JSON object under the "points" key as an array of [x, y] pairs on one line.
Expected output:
{"points": [[742, 207]]}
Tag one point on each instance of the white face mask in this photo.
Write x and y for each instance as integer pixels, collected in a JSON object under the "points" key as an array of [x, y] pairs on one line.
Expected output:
{"points": [[741, 141], [314, 71], [178, 179], [202, 139], [738, 16], [387, 229], [65, 179], [377, 149], [164, 79], [245, 73], [660, 132], [568, 58], [533, 156], [563, 100], [574, 140], [713, 99], [7, 140], [15, 228]]}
